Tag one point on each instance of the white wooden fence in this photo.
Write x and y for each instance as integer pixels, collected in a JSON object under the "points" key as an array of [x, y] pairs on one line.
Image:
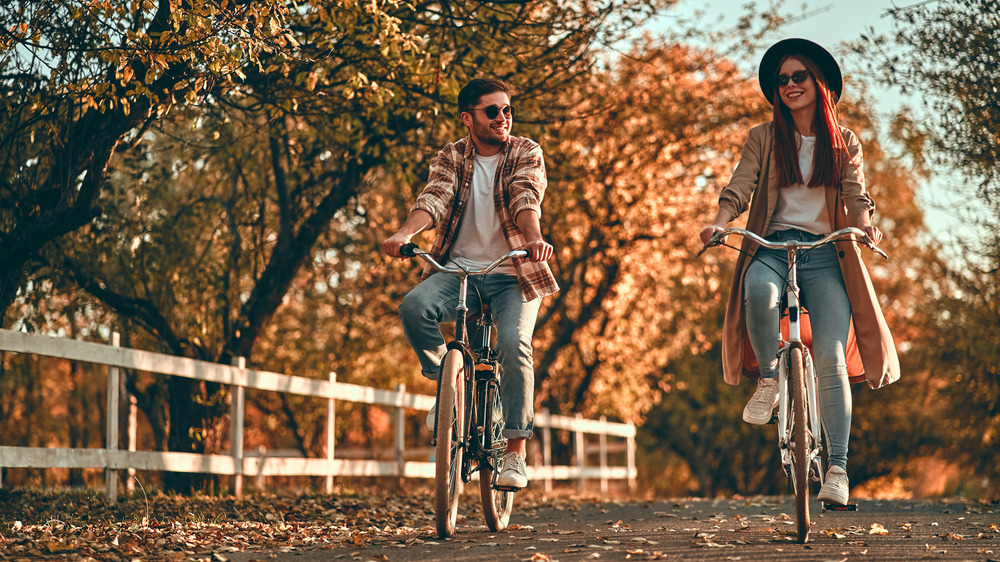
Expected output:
{"points": [[239, 463]]}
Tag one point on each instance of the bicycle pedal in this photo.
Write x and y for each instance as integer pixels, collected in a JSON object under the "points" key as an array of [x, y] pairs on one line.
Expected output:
{"points": [[838, 507], [506, 488], [773, 420]]}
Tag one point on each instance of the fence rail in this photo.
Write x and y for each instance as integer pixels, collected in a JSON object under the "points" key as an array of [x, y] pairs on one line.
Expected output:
{"points": [[239, 463]]}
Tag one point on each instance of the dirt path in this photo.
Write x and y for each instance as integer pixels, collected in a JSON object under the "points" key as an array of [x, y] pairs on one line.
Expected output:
{"points": [[689, 529]]}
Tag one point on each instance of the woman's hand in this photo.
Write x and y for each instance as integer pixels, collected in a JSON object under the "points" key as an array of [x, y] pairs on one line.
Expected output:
{"points": [[708, 232], [874, 233]]}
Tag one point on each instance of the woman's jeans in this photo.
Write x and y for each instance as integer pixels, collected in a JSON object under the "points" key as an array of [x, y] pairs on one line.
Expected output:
{"points": [[433, 302], [824, 296]]}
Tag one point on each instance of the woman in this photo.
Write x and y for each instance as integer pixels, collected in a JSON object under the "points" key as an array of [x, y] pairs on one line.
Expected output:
{"points": [[803, 174]]}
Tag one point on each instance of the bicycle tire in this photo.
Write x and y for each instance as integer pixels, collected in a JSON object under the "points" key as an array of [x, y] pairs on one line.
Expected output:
{"points": [[800, 445], [448, 451], [497, 504]]}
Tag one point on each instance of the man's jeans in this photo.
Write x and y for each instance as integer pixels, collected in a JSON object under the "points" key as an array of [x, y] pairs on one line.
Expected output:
{"points": [[433, 302], [823, 294]]}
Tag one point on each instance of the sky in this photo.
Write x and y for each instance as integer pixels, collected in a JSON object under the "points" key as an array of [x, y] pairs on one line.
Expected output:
{"points": [[831, 23]]}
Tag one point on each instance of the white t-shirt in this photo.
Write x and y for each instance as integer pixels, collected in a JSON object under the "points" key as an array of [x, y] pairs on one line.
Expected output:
{"points": [[800, 206], [480, 238]]}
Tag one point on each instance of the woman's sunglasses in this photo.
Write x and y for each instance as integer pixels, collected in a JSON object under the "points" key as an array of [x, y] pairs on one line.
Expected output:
{"points": [[493, 111], [797, 77]]}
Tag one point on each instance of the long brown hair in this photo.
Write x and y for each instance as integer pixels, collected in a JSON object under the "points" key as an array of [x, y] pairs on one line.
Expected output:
{"points": [[830, 146]]}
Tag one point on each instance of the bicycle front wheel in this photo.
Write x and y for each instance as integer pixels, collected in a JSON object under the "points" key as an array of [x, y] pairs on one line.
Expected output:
{"points": [[799, 444], [497, 504], [448, 452]]}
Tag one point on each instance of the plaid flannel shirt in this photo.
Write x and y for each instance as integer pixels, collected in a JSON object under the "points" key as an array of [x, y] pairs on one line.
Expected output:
{"points": [[519, 186]]}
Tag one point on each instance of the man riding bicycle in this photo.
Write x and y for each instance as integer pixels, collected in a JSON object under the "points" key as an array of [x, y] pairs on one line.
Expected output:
{"points": [[484, 196]]}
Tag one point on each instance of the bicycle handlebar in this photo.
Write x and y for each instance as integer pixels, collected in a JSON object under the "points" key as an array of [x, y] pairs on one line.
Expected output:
{"points": [[841, 234], [411, 250]]}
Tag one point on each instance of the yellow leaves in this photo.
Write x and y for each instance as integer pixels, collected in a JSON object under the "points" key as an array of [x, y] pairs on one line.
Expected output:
{"points": [[878, 529]]}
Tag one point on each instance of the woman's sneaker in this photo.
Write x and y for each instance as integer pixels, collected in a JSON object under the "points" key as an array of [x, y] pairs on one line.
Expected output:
{"points": [[765, 398], [836, 487], [513, 473]]}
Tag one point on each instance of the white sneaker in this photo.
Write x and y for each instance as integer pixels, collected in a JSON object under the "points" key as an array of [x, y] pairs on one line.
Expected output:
{"points": [[430, 417], [512, 475], [836, 487], [765, 398]]}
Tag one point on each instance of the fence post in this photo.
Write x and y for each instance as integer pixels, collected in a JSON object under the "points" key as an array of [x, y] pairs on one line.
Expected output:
{"points": [[399, 438], [547, 450], [133, 416], [111, 438], [330, 441], [581, 454], [604, 456], [630, 448], [236, 410]]}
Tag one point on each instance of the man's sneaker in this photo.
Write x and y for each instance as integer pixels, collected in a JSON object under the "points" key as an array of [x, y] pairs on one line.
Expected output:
{"points": [[836, 488], [512, 475], [430, 417], [758, 409]]}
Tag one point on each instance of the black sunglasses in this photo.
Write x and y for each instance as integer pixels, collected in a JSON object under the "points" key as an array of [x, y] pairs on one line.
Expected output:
{"points": [[797, 77], [492, 111]]}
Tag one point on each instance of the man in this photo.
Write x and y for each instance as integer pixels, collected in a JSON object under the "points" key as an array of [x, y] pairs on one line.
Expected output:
{"points": [[484, 196]]}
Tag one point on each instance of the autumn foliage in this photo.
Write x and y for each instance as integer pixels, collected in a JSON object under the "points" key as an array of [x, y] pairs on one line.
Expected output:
{"points": [[216, 184]]}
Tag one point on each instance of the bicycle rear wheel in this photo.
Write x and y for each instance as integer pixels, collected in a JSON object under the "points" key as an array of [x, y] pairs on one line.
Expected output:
{"points": [[448, 453], [799, 444], [497, 504]]}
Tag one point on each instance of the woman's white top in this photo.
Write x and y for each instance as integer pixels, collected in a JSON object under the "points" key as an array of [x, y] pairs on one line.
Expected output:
{"points": [[799, 206]]}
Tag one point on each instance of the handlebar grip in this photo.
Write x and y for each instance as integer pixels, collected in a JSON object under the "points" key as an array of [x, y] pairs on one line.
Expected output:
{"points": [[408, 250]]}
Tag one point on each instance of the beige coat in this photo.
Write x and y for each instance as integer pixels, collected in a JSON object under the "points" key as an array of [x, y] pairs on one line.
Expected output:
{"points": [[874, 360]]}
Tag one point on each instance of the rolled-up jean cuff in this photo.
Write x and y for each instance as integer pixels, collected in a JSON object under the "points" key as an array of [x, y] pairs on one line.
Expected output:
{"points": [[517, 433], [430, 376]]}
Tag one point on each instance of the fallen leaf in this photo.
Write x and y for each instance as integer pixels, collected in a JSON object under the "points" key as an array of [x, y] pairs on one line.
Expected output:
{"points": [[878, 529]]}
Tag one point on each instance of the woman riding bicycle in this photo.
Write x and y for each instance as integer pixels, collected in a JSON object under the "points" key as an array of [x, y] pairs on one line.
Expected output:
{"points": [[801, 177]]}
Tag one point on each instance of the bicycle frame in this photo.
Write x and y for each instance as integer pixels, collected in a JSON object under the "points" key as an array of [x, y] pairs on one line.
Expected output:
{"points": [[475, 435], [461, 333], [801, 462], [814, 429]]}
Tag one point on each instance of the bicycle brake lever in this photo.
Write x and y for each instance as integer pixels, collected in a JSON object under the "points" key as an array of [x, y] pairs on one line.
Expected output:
{"points": [[867, 241], [715, 240]]}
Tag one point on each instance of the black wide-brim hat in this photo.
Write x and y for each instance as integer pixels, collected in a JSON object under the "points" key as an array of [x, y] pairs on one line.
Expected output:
{"points": [[820, 56]]}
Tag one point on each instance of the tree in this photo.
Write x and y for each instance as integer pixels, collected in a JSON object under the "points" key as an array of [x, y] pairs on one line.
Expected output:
{"points": [[946, 54], [286, 134], [629, 168], [80, 82]]}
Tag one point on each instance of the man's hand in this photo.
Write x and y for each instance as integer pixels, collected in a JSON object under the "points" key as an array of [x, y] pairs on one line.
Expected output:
{"points": [[392, 244], [418, 221], [538, 250]]}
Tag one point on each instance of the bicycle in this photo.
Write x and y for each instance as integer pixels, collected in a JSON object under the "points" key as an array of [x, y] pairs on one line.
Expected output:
{"points": [[468, 426], [798, 418]]}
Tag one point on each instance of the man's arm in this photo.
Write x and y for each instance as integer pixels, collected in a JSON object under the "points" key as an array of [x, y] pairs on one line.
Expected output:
{"points": [[539, 249], [418, 221]]}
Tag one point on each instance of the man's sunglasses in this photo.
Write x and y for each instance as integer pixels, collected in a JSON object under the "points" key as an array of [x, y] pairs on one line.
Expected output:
{"points": [[493, 111], [797, 77]]}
